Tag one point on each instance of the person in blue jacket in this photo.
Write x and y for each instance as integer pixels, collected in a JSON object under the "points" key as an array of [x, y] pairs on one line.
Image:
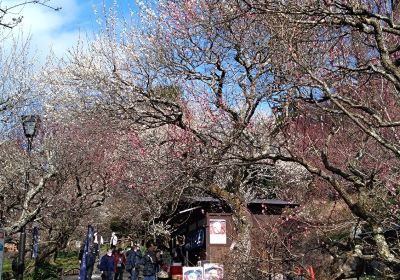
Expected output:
{"points": [[133, 260], [151, 261], [107, 265]]}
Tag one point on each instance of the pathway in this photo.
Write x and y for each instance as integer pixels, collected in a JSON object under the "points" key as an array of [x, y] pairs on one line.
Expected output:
{"points": [[95, 276]]}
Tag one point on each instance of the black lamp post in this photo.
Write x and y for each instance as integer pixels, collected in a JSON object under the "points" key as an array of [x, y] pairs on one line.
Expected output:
{"points": [[30, 124]]}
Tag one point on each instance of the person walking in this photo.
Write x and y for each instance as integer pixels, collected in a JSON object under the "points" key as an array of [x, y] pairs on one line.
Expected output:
{"points": [[119, 264], [107, 265], [90, 259], [133, 260], [97, 242], [150, 261], [113, 240]]}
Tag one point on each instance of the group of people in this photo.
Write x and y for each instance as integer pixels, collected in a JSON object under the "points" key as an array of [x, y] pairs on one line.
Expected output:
{"points": [[115, 261]]}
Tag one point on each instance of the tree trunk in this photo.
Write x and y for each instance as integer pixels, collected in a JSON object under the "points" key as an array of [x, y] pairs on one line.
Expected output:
{"points": [[58, 241], [382, 246], [237, 265]]}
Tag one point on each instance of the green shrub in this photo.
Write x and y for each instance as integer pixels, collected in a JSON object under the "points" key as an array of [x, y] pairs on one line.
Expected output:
{"points": [[46, 271]]}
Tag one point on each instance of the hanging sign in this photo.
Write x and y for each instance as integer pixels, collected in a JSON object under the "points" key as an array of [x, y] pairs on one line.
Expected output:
{"points": [[217, 231]]}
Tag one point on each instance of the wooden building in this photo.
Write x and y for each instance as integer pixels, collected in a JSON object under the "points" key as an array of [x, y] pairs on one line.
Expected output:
{"points": [[205, 229]]}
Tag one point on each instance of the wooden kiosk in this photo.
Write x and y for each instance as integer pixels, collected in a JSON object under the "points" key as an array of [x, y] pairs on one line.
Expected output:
{"points": [[204, 228]]}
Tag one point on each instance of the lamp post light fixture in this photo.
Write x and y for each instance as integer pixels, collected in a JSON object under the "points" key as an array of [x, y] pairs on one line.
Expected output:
{"points": [[30, 124]]}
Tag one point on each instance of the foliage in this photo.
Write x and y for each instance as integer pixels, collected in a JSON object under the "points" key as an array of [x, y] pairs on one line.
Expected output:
{"points": [[119, 225], [45, 271], [7, 264], [49, 270]]}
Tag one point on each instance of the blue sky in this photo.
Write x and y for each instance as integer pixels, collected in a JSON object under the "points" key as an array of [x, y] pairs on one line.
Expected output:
{"points": [[58, 30]]}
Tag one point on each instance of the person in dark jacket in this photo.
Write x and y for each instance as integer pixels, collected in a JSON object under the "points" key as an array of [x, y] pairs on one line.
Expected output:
{"points": [[15, 266], [90, 259], [107, 265], [133, 260], [150, 261], [120, 262]]}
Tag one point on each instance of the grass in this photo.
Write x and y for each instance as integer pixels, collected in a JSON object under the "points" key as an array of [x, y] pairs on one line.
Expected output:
{"points": [[7, 264], [65, 260]]}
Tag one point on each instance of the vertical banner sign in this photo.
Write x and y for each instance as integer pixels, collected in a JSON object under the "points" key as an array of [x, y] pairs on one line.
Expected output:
{"points": [[86, 250], [2, 235], [35, 242]]}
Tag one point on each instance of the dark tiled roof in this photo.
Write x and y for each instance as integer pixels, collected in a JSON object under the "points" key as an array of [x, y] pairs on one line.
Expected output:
{"points": [[254, 201], [272, 201]]}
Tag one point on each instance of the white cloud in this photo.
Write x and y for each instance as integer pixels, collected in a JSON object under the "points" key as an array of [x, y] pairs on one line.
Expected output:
{"points": [[50, 29], [58, 43]]}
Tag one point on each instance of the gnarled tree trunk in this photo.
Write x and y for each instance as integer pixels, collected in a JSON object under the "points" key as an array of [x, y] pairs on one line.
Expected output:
{"points": [[237, 265]]}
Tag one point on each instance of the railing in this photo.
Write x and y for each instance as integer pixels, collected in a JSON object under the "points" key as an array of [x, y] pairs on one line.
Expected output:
{"points": [[71, 271]]}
